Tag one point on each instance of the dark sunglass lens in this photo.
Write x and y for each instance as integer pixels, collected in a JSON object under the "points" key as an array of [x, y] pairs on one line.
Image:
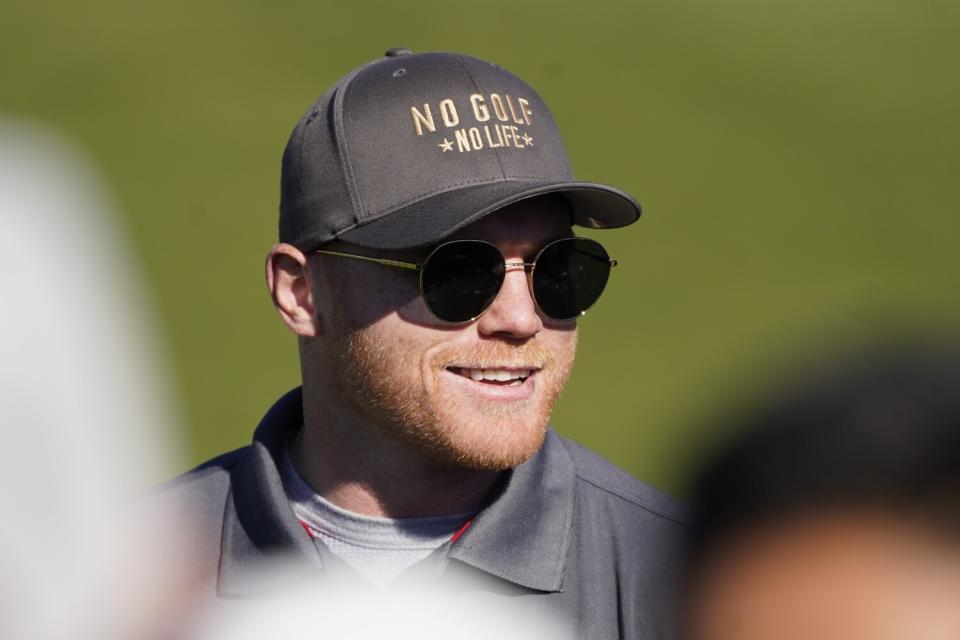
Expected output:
{"points": [[462, 278], [570, 276]]}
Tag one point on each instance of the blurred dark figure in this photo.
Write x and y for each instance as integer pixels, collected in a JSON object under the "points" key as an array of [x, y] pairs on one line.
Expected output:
{"points": [[837, 513]]}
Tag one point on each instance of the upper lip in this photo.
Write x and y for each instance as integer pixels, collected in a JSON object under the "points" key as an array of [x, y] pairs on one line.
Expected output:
{"points": [[498, 367]]}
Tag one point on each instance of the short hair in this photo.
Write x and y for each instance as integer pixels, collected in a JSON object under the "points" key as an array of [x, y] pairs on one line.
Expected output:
{"points": [[878, 429]]}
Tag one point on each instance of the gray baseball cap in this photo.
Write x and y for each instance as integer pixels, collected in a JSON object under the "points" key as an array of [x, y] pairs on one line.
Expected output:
{"points": [[407, 149]]}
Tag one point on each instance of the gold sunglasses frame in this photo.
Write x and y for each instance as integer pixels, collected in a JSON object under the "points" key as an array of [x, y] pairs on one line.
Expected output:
{"points": [[418, 267]]}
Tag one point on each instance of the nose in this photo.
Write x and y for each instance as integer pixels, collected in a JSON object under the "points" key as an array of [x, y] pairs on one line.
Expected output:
{"points": [[513, 314]]}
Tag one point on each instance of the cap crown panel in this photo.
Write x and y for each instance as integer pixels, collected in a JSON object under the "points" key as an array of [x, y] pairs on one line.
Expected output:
{"points": [[419, 125], [312, 180], [513, 104]]}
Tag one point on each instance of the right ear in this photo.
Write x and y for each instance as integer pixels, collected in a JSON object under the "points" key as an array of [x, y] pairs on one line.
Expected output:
{"points": [[288, 279]]}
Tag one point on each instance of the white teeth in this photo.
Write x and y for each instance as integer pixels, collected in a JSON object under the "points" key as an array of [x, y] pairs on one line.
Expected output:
{"points": [[498, 375]]}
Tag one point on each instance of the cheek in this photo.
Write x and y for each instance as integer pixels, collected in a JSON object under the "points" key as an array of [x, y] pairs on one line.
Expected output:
{"points": [[403, 351], [562, 341], [371, 293]]}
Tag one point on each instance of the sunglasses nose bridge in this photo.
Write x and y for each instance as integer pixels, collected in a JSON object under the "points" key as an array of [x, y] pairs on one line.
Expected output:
{"points": [[528, 268], [513, 311]]}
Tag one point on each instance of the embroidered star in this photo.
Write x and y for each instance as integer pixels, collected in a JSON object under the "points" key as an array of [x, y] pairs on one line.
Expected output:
{"points": [[446, 145], [527, 140]]}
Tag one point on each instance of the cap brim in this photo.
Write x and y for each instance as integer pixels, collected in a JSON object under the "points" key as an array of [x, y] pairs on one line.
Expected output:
{"points": [[595, 206]]}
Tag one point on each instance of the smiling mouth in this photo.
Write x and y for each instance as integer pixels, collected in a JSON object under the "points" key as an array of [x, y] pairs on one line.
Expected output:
{"points": [[496, 377]]}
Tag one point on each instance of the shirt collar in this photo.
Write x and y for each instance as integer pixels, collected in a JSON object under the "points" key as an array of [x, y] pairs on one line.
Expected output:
{"points": [[524, 532], [262, 541], [522, 535]]}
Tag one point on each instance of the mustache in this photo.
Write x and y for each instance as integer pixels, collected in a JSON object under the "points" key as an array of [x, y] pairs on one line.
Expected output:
{"points": [[497, 355]]}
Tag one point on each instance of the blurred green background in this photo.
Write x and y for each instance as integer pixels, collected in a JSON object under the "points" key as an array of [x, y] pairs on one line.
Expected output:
{"points": [[797, 161]]}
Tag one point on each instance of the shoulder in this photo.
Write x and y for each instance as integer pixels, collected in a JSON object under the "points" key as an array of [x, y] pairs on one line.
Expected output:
{"points": [[202, 491], [213, 471], [193, 506], [630, 545], [602, 485]]}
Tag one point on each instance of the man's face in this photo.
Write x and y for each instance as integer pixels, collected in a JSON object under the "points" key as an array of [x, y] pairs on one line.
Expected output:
{"points": [[414, 376]]}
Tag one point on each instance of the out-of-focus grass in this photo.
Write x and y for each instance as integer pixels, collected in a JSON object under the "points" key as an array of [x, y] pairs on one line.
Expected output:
{"points": [[796, 160]]}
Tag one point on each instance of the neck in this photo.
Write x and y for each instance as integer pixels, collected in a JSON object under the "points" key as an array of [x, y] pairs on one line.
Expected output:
{"points": [[360, 467]]}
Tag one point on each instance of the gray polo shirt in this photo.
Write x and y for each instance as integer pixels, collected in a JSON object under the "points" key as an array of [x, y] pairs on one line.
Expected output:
{"points": [[565, 532]]}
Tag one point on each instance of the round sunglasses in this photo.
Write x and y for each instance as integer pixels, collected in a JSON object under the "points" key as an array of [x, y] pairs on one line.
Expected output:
{"points": [[460, 279]]}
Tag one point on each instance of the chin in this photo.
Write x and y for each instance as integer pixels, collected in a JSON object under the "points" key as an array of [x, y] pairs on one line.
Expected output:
{"points": [[490, 445]]}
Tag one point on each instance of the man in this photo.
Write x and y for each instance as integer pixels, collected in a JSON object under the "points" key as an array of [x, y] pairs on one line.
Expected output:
{"points": [[428, 268]]}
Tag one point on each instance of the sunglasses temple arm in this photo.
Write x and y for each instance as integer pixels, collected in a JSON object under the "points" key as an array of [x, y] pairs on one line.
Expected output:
{"points": [[396, 264], [611, 261]]}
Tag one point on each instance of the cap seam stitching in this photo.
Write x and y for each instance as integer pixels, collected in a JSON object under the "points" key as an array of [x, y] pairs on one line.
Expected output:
{"points": [[503, 171], [638, 502], [358, 209], [381, 215], [513, 178], [301, 150], [462, 183]]}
